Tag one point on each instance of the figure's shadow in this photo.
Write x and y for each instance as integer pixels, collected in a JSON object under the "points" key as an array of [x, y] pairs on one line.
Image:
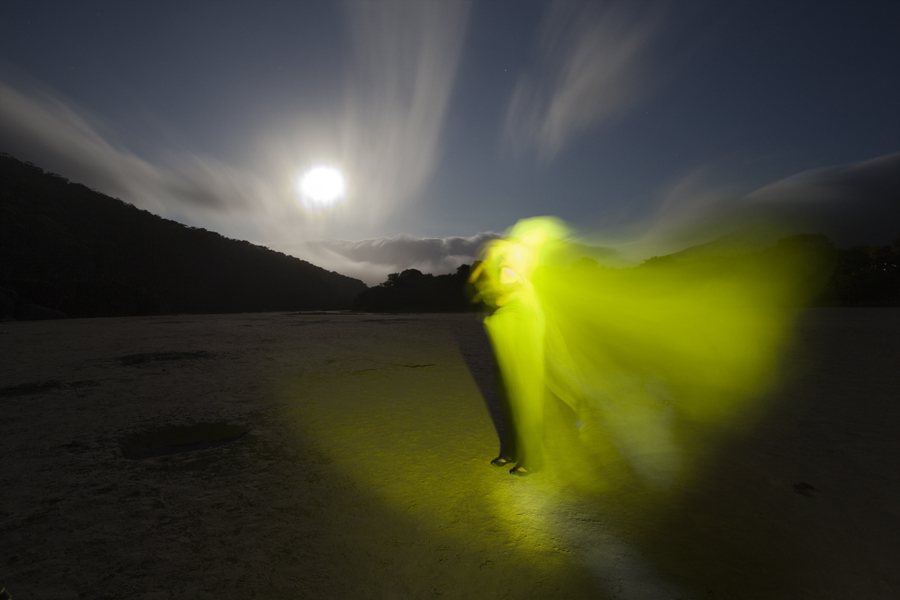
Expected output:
{"points": [[477, 352]]}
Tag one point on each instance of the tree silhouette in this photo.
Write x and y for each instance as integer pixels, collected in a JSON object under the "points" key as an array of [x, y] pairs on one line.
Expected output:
{"points": [[414, 291]]}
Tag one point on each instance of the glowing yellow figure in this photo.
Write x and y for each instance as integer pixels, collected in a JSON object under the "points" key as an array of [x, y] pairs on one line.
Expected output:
{"points": [[516, 329], [637, 354]]}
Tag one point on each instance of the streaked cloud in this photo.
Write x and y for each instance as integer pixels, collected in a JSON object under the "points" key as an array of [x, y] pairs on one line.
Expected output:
{"points": [[593, 63], [690, 211], [39, 127], [406, 56]]}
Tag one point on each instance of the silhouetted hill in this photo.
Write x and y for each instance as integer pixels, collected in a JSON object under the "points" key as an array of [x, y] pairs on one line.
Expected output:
{"points": [[857, 276], [65, 247]]}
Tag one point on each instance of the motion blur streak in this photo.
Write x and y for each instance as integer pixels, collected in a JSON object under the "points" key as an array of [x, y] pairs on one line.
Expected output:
{"points": [[406, 57], [594, 64], [642, 357]]}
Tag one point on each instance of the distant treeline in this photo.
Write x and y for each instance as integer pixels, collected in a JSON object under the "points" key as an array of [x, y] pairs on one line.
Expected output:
{"points": [[68, 250], [864, 276], [822, 275], [414, 291]]}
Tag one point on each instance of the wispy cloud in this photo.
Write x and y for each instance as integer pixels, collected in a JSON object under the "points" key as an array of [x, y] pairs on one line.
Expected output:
{"points": [[593, 64], [405, 61], [689, 212], [39, 127]]}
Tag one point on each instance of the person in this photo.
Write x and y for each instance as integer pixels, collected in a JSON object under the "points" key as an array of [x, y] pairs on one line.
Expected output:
{"points": [[636, 353], [517, 329], [535, 362]]}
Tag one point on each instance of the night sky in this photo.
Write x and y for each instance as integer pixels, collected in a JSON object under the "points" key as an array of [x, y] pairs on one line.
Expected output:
{"points": [[452, 120]]}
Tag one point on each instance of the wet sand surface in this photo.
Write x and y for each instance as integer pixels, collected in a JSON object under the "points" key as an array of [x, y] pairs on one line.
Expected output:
{"points": [[286, 455]]}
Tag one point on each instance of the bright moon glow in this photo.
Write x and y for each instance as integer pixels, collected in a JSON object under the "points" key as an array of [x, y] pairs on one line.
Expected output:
{"points": [[321, 187]]}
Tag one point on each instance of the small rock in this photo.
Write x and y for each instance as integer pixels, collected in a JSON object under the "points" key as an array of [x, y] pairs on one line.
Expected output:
{"points": [[804, 488]]}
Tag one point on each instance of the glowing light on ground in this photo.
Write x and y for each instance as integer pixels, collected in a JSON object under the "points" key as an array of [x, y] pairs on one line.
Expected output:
{"points": [[321, 187]]}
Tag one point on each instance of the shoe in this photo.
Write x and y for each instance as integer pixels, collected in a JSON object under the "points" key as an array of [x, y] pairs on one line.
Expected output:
{"points": [[519, 471], [502, 461]]}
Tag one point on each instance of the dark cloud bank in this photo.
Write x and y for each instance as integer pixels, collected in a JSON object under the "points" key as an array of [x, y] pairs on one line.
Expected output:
{"points": [[857, 204], [854, 205], [373, 259]]}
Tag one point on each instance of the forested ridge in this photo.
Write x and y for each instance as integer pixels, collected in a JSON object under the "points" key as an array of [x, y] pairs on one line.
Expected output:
{"points": [[67, 248]]}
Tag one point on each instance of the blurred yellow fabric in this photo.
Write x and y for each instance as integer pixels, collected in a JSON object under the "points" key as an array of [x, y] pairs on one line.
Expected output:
{"points": [[634, 353]]}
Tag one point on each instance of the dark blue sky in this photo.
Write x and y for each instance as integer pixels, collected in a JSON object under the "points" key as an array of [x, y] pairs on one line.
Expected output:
{"points": [[447, 119]]}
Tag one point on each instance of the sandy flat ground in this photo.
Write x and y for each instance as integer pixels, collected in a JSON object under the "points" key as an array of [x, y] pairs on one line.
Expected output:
{"points": [[346, 456]]}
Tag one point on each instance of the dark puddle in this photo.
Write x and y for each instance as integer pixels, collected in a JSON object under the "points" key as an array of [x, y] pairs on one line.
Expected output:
{"points": [[137, 360], [38, 387], [804, 489], [180, 439], [302, 323], [388, 320], [313, 313]]}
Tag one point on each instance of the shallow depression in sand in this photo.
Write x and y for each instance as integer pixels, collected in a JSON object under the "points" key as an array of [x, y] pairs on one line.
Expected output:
{"points": [[179, 439]]}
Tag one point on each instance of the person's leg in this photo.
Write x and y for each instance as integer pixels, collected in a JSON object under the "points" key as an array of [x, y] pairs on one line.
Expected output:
{"points": [[529, 421], [507, 456], [516, 331]]}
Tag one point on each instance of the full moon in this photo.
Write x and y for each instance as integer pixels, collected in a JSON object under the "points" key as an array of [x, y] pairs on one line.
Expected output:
{"points": [[321, 186]]}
